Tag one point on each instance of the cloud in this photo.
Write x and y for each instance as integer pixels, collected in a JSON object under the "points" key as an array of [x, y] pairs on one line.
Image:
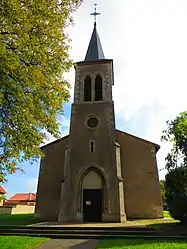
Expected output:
{"points": [[147, 41]]}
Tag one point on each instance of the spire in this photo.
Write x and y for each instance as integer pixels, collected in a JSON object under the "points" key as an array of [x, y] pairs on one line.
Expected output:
{"points": [[95, 51]]}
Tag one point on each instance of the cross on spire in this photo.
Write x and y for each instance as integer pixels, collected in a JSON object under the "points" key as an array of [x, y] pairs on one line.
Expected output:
{"points": [[95, 14]]}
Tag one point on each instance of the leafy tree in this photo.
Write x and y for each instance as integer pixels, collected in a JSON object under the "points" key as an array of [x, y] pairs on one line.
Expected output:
{"points": [[2, 197], [176, 164], [176, 193], [176, 133], [163, 190], [33, 57]]}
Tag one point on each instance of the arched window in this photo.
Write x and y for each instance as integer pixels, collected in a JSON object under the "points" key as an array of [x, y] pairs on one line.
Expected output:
{"points": [[87, 89], [98, 88]]}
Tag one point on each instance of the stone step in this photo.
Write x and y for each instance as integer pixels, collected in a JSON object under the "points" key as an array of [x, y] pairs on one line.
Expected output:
{"points": [[71, 228]]}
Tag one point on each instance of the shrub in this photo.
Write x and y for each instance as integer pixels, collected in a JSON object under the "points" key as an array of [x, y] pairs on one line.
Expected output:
{"points": [[178, 208], [176, 193]]}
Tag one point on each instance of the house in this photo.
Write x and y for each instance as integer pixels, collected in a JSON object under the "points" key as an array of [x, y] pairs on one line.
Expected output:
{"points": [[22, 199], [2, 195]]}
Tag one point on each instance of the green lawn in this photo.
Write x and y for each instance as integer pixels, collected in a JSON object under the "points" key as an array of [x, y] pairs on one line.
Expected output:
{"points": [[17, 219], [167, 214], [141, 244], [148, 244], [20, 242]]}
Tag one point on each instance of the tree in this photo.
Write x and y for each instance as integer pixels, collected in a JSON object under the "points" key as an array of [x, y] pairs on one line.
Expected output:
{"points": [[33, 57], [176, 164], [163, 190], [176, 193], [176, 133]]}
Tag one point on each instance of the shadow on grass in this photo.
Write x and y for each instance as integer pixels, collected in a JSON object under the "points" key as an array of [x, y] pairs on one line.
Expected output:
{"points": [[141, 243], [17, 219], [175, 225]]}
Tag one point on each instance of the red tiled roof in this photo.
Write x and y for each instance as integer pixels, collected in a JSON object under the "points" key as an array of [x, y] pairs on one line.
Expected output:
{"points": [[2, 191], [28, 203], [23, 197]]}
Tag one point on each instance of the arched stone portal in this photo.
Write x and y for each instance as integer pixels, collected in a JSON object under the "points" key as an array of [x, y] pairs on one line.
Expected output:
{"points": [[92, 195], [92, 180]]}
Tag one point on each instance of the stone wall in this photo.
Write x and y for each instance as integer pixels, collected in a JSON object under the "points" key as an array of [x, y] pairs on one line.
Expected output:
{"points": [[5, 210], [17, 209], [50, 179], [142, 193]]}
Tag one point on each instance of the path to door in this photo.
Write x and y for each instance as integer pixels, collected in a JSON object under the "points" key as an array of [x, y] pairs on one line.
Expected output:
{"points": [[69, 244]]}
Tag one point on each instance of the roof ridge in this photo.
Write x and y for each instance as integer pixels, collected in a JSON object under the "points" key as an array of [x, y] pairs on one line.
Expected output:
{"points": [[157, 146]]}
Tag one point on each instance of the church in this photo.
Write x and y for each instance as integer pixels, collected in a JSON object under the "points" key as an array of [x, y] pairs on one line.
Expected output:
{"points": [[97, 173]]}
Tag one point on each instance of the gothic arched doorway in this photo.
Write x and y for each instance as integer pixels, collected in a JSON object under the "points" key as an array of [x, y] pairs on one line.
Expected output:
{"points": [[92, 187]]}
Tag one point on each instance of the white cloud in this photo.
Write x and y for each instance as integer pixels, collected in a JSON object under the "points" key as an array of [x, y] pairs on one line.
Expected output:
{"points": [[70, 77], [49, 139]]}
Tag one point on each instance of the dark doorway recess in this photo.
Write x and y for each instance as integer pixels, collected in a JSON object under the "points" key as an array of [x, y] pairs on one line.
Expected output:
{"points": [[92, 205]]}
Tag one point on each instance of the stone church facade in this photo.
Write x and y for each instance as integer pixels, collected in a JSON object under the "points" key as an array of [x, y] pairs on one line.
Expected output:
{"points": [[97, 173]]}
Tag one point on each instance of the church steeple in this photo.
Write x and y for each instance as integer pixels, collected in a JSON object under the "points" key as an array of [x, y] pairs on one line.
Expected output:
{"points": [[95, 51]]}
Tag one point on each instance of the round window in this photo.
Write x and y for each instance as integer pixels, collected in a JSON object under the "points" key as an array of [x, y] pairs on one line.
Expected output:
{"points": [[92, 122]]}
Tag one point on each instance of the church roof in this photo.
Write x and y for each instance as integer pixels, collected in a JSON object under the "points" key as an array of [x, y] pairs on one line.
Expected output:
{"points": [[157, 147], [56, 141], [95, 50]]}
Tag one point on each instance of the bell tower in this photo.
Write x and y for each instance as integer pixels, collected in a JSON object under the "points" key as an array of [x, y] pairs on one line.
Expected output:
{"points": [[92, 189]]}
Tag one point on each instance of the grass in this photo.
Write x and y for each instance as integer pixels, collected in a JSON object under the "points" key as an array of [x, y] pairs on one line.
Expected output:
{"points": [[141, 244], [157, 223], [167, 214], [18, 219], [148, 244], [167, 223], [20, 242], [146, 222]]}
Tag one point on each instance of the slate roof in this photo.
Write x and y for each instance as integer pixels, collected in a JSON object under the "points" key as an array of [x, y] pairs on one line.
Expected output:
{"points": [[95, 51]]}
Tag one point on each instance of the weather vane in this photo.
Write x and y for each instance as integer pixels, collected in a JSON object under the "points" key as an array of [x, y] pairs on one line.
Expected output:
{"points": [[95, 14]]}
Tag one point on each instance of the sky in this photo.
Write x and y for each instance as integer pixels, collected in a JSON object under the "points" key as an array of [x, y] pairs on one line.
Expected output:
{"points": [[148, 42]]}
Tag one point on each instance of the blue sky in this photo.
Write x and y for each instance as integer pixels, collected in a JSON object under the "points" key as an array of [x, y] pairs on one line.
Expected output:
{"points": [[147, 41]]}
